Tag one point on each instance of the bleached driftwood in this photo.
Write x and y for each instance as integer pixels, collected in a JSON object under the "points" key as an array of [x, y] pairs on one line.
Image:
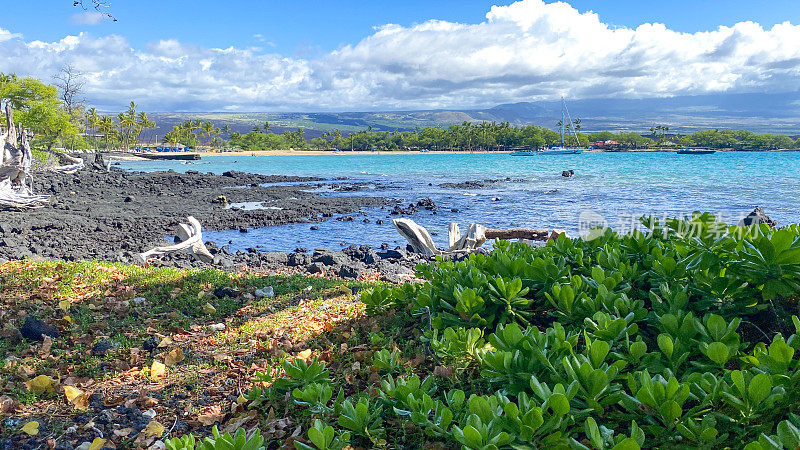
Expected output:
{"points": [[417, 236], [476, 235], [15, 168], [68, 164], [192, 238]]}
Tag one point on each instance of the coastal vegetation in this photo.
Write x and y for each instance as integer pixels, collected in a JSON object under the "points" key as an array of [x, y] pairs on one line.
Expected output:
{"points": [[682, 335], [191, 133], [489, 136], [58, 118]]}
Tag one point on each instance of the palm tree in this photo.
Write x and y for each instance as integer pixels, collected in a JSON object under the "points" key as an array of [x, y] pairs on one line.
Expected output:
{"points": [[92, 121], [127, 125], [106, 126], [143, 122], [173, 137], [209, 129]]}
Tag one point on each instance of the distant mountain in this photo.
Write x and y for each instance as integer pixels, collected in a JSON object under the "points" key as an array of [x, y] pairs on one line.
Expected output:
{"points": [[779, 113], [755, 112]]}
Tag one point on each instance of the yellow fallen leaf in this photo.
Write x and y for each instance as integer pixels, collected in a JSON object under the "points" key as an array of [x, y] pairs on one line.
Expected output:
{"points": [[208, 308], [166, 342], [69, 318], [305, 354], [97, 443], [31, 428], [174, 357], [241, 399], [158, 371], [211, 416], [64, 304], [201, 294], [78, 398], [41, 384], [154, 429]]}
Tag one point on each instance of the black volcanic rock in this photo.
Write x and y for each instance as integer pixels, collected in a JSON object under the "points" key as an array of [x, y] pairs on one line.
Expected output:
{"points": [[35, 330], [756, 217]]}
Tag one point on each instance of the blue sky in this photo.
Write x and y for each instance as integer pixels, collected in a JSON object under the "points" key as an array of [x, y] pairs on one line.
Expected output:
{"points": [[309, 28], [306, 55]]}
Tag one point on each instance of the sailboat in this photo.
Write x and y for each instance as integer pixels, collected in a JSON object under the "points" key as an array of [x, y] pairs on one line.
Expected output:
{"points": [[563, 149]]}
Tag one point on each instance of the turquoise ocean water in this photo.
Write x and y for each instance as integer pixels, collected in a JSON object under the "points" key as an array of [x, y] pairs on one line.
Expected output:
{"points": [[618, 186]]}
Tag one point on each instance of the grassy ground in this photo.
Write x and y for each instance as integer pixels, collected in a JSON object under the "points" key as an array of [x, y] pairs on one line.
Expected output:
{"points": [[132, 309]]}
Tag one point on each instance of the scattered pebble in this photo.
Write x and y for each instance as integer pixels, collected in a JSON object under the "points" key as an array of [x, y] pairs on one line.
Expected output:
{"points": [[101, 347], [217, 327], [267, 292], [224, 291], [150, 343]]}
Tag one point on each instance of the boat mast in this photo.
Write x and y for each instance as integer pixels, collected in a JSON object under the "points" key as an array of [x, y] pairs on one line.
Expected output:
{"points": [[563, 105], [569, 118]]}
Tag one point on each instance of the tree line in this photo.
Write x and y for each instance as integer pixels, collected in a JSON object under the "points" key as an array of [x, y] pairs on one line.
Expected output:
{"points": [[58, 116], [489, 136]]}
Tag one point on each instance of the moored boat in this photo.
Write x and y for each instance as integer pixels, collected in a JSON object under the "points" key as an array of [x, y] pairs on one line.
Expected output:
{"points": [[172, 156], [522, 151], [696, 151], [561, 149]]}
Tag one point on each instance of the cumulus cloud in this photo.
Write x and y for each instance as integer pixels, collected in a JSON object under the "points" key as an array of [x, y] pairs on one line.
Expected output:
{"points": [[524, 51], [6, 35], [88, 18]]}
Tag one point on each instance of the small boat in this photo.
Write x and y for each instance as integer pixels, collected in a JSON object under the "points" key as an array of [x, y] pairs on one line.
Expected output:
{"points": [[696, 151], [170, 156], [561, 150], [522, 151]]}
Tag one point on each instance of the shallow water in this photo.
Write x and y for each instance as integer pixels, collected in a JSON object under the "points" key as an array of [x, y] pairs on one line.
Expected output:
{"points": [[618, 186]]}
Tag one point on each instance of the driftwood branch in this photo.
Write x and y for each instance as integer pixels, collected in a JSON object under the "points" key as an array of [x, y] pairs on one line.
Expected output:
{"points": [[192, 238], [518, 233], [476, 235], [417, 236], [67, 163], [15, 167]]}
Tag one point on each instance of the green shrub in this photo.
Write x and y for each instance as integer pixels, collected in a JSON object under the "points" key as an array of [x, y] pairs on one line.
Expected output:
{"points": [[217, 441], [679, 338]]}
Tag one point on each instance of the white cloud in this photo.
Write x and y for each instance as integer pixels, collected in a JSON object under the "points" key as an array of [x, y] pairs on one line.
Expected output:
{"points": [[89, 18], [6, 35], [523, 51], [261, 38]]}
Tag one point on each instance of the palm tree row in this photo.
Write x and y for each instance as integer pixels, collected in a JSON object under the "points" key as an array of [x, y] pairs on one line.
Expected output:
{"points": [[191, 132], [126, 130]]}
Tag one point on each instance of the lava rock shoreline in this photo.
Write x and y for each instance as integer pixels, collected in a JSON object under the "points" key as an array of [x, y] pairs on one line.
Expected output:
{"points": [[113, 216]]}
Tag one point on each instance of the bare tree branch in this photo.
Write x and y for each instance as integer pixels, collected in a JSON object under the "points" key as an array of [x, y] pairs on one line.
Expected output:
{"points": [[70, 82], [96, 5]]}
